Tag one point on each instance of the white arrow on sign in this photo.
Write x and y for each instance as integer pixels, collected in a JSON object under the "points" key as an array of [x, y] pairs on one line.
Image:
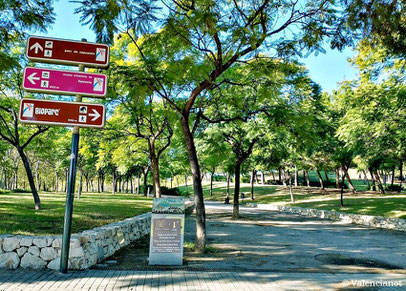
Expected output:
{"points": [[95, 114], [36, 46], [32, 77]]}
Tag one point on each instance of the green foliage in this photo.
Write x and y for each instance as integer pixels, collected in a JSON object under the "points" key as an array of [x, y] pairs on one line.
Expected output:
{"points": [[17, 18], [383, 22]]}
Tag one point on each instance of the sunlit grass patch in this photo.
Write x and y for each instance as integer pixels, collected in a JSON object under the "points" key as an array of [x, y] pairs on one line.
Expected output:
{"points": [[17, 214]]}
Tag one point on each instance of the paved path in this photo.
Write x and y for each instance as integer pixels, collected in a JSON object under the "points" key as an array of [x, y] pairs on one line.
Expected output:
{"points": [[264, 250], [196, 281]]}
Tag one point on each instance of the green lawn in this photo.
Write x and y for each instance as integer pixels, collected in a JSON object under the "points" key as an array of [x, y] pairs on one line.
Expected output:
{"points": [[370, 203], [17, 214]]}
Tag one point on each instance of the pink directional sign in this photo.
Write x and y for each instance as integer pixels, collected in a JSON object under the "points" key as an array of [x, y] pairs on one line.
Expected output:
{"points": [[64, 82]]}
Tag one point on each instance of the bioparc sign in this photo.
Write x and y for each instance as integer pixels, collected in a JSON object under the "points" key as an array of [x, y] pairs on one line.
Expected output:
{"points": [[60, 113]]}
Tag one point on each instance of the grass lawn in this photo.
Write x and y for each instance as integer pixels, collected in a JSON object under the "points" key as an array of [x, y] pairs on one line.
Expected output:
{"points": [[369, 203], [17, 214]]}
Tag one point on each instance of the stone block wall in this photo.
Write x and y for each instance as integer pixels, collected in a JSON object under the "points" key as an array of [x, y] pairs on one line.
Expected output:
{"points": [[86, 248], [367, 220]]}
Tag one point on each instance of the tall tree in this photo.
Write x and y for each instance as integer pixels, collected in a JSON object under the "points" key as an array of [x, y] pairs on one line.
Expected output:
{"points": [[190, 44], [19, 137]]}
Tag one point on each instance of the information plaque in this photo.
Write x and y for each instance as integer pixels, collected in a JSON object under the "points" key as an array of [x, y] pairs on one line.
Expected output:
{"points": [[167, 231]]}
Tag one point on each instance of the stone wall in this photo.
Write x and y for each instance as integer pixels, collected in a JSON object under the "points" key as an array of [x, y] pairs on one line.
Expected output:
{"points": [[86, 248], [368, 220]]}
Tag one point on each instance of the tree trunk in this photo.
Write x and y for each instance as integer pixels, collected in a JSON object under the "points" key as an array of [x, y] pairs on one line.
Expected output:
{"points": [[383, 177], [373, 180], [146, 181], [378, 180], [347, 176], [326, 175], [98, 183], [280, 176], [342, 191], [337, 170], [87, 182], [132, 185], [307, 179], [80, 184], [253, 173], [392, 182], [366, 181], [138, 182], [113, 183], [37, 182], [320, 179], [56, 182], [155, 169], [200, 243], [292, 199], [187, 186], [296, 176], [273, 176], [228, 189], [236, 208], [211, 181], [263, 177], [37, 202], [102, 182], [401, 170], [284, 177]]}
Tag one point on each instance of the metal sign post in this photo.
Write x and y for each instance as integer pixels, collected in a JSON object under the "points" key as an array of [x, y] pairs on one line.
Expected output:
{"points": [[70, 191]]}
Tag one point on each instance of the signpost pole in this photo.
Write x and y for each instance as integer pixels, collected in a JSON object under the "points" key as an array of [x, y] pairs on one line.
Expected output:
{"points": [[67, 226]]}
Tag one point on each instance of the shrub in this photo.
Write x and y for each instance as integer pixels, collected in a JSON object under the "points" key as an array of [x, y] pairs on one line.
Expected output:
{"points": [[393, 188], [272, 182], [21, 191], [170, 191]]}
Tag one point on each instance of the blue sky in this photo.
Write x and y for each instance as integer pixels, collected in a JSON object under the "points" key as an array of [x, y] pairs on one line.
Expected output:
{"points": [[325, 69]]}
